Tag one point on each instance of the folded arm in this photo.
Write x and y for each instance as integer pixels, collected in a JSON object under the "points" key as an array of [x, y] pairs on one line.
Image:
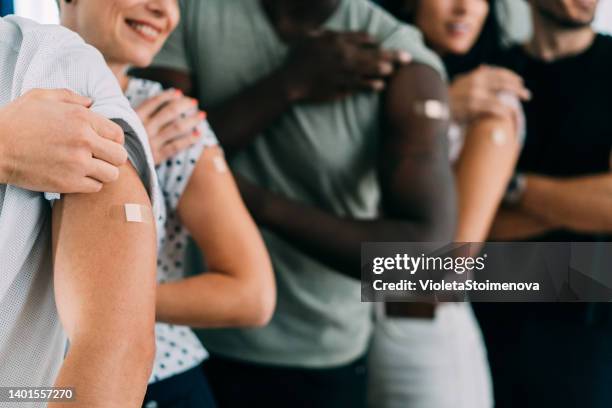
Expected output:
{"points": [[513, 224], [238, 289], [582, 204], [105, 293]]}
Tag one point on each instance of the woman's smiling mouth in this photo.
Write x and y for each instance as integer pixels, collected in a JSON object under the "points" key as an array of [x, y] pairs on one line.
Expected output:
{"points": [[145, 30]]}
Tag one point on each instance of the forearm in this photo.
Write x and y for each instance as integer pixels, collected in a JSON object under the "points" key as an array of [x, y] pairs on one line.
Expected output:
{"points": [[105, 293], [209, 300], [516, 225], [258, 107], [580, 204], [335, 240]]}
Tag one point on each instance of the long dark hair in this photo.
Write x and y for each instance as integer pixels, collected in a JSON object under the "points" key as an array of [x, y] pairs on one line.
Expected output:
{"points": [[486, 50]]}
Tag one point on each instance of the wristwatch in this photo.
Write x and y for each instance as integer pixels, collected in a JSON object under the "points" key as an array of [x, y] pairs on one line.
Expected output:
{"points": [[516, 189]]}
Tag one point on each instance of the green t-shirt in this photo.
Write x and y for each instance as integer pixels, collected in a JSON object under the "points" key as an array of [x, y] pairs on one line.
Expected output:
{"points": [[323, 155]]}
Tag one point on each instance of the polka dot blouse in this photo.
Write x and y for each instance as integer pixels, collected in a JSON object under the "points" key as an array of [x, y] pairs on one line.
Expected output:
{"points": [[178, 348]]}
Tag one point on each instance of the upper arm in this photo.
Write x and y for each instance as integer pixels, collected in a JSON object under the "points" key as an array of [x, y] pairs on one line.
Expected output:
{"points": [[414, 166], [483, 170], [104, 266], [212, 210]]}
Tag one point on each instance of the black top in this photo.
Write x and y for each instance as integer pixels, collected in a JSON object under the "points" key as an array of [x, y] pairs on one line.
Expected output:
{"points": [[569, 119]]}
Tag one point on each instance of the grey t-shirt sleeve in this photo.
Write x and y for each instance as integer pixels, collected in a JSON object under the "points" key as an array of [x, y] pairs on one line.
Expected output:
{"points": [[408, 38], [67, 62], [136, 153]]}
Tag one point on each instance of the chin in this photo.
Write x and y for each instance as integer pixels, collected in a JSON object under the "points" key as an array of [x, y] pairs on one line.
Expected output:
{"points": [[459, 49], [141, 61]]}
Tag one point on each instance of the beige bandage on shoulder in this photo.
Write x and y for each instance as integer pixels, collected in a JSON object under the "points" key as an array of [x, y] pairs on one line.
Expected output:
{"points": [[499, 137], [220, 164], [131, 213]]}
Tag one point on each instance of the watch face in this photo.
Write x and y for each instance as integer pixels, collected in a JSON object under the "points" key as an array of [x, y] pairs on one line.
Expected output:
{"points": [[514, 184], [515, 190]]}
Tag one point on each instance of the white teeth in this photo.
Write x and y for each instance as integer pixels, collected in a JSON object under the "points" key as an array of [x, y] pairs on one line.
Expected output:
{"points": [[146, 30], [460, 27]]}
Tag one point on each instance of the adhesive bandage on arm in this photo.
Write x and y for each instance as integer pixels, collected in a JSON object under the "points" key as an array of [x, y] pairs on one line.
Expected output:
{"points": [[499, 137], [432, 109], [131, 213], [220, 164]]}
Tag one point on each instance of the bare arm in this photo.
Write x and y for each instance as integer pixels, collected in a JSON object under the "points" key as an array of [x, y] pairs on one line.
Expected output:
{"points": [[105, 294], [582, 204], [239, 288], [513, 224], [415, 177], [482, 174]]}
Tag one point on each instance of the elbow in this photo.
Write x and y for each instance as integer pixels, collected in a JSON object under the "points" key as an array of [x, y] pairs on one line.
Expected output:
{"points": [[130, 351], [441, 227], [263, 306], [259, 303], [140, 351], [263, 310]]}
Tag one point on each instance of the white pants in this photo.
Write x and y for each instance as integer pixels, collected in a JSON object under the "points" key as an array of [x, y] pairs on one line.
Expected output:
{"points": [[421, 363]]}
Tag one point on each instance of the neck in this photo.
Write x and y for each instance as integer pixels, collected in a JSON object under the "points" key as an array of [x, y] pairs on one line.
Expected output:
{"points": [[120, 72], [294, 15], [551, 41]]}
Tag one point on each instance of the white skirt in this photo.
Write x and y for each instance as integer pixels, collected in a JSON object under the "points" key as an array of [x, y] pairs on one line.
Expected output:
{"points": [[420, 363]]}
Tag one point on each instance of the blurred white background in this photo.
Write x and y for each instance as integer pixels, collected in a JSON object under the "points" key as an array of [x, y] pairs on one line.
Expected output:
{"points": [[46, 11], [516, 15]]}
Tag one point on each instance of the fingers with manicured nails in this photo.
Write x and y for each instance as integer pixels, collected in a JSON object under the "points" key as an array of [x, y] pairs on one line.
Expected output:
{"points": [[149, 107], [109, 151], [176, 145], [171, 112], [180, 127], [103, 172]]}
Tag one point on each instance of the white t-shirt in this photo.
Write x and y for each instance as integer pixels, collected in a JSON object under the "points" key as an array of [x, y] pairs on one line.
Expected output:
{"points": [[32, 342], [178, 348]]}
